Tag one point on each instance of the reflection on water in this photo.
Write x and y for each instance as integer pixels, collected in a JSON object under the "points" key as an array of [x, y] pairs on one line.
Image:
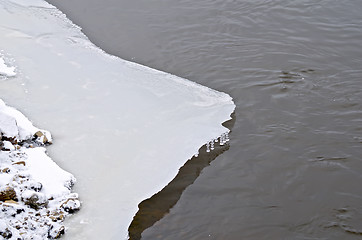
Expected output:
{"points": [[294, 70], [153, 209]]}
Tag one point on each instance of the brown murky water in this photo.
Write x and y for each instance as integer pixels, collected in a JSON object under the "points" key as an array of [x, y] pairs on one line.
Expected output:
{"points": [[294, 69]]}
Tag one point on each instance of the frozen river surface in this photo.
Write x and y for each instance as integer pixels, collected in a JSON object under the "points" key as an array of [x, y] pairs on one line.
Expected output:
{"points": [[122, 129]]}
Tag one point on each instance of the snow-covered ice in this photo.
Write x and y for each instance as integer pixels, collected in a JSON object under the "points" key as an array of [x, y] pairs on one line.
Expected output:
{"points": [[122, 129], [6, 70]]}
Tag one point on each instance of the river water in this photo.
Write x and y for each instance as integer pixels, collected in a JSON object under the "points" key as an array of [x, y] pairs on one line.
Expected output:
{"points": [[294, 69]]}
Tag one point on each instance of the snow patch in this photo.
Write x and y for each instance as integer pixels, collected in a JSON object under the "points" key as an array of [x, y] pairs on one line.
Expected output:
{"points": [[6, 70], [56, 182]]}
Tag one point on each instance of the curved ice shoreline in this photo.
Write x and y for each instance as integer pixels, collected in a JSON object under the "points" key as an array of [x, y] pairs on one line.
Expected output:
{"points": [[146, 123]]}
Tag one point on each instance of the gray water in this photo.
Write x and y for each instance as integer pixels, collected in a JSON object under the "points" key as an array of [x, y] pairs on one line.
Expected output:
{"points": [[294, 69]]}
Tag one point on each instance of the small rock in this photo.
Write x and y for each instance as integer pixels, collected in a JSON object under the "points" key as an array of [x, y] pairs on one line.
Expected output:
{"points": [[40, 137], [34, 200], [19, 163], [5, 170], [38, 134], [56, 232], [57, 217], [8, 194], [71, 205], [6, 233]]}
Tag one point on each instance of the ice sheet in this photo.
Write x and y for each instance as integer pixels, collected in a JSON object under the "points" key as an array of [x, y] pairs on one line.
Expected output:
{"points": [[122, 129]]}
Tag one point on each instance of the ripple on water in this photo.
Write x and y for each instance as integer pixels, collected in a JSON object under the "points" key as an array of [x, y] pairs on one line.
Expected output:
{"points": [[347, 219]]}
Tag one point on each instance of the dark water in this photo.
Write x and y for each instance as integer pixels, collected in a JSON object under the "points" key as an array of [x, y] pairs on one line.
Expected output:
{"points": [[294, 69]]}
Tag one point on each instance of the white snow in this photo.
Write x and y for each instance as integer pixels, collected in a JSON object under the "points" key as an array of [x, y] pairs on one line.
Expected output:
{"points": [[6, 70], [122, 129], [26, 169], [8, 145], [14, 124], [55, 180], [8, 125]]}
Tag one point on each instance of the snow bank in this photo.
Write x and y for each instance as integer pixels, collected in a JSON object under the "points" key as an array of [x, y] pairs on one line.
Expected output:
{"points": [[35, 193], [122, 129], [14, 124]]}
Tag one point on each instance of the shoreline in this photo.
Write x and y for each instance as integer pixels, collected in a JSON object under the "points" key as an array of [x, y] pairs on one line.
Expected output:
{"points": [[35, 193]]}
